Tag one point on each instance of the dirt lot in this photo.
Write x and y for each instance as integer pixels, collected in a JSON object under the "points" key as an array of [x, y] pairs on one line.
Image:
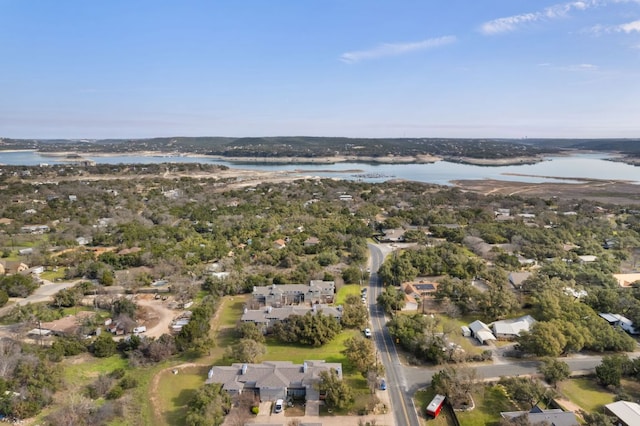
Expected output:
{"points": [[605, 191], [155, 315]]}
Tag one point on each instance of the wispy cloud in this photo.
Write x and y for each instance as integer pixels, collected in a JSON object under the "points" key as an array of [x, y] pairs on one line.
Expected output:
{"points": [[512, 23], [571, 67], [395, 49], [627, 28]]}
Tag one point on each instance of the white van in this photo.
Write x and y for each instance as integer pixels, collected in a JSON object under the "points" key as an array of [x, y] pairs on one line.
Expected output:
{"points": [[140, 329]]}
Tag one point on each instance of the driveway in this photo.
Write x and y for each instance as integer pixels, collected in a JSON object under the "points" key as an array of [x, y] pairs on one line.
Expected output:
{"points": [[44, 293]]}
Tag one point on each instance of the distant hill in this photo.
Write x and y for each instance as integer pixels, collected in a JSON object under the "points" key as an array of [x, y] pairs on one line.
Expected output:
{"points": [[307, 146]]}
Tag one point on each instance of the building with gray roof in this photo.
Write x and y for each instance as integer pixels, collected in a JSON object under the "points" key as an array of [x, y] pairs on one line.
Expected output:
{"points": [[273, 380]]}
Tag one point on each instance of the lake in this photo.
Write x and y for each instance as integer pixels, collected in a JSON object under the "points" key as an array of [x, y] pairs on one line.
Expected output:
{"points": [[583, 165]]}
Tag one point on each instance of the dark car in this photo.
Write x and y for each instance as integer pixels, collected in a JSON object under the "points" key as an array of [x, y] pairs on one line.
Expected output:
{"points": [[383, 384]]}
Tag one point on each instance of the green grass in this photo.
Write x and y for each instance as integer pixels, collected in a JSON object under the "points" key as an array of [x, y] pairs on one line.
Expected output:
{"points": [[345, 291], [84, 368], [53, 276], [586, 393], [489, 403], [175, 391], [330, 352]]}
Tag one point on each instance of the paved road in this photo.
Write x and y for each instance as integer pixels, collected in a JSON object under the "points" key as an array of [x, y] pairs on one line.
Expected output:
{"points": [[399, 391], [44, 293]]}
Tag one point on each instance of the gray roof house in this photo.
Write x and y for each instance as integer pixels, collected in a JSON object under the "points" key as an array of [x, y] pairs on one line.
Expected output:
{"points": [[481, 331], [511, 328], [265, 317], [317, 291], [273, 380], [554, 417], [517, 278]]}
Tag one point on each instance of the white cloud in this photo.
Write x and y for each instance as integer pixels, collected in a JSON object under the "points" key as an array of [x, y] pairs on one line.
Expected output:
{"points": [[629, 27], [394, 49], [511, 23]]}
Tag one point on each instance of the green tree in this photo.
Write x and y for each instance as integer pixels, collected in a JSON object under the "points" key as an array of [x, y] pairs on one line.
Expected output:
{"points": [[391, 299], [457, 384], [247, 350], [104, 346], [208, 407], [249, 330], [4, 298], [611, 369], [525, 390], [354, 313], [361, 353], [338, 394], [554, 370], [544, 339]]}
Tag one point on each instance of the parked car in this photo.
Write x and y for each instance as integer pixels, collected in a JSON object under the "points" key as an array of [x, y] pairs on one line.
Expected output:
{"points": [[367, 332], [140, 329], [279, 406], [383, 384]]}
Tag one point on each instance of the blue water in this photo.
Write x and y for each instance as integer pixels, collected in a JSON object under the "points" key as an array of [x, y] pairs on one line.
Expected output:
{"points": [[594, 166]]}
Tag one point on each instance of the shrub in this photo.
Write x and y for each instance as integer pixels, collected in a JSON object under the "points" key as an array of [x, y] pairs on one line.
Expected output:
{"points": [[115, 393], [255, 409]]}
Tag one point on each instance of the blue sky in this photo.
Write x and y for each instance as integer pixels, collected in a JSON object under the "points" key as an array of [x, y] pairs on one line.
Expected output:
{"points": [[356, 68]]}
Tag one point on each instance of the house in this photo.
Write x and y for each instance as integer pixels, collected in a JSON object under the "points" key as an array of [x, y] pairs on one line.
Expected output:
{"points": [[69, 325], [317, 291], [410, 303], [618, 320], [265, 317], [511, 328], [481, 331], [391, 236], [279, 244], [626, 413], [587, 258], [627, 280], [345, 197], [517, 278], [311, 241], [553, 417], [273, 380]]}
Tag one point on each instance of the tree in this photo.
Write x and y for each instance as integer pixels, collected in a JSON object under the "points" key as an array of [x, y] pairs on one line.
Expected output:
{"points": [[361, 353], [611, 369], [208, 406], [308, 329], [524, 390], [247, 350], [554, 370], [598, 419], [354, 313], [249, 330], [4, 298], [544, 339], [391, 299], [104, 346], [337, 392], [456, 384]]}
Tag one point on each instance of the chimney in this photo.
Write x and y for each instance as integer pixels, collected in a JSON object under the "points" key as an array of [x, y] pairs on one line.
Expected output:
{"points": [[244, 369]]}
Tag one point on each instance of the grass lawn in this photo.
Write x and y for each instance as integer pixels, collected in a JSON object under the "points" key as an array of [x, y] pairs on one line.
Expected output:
{"points": [[175, 391], [489, 403], [331, 352], [586, 393], [53, 276], [345, 291], [82, 369]]}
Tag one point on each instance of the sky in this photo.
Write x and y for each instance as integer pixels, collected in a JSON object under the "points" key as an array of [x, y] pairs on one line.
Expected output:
{"points": [[354, 68]]}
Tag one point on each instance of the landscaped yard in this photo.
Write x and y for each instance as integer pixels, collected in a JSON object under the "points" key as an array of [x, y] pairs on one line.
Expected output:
{"points": [[586, 393], [346, 290], [489, 403]]}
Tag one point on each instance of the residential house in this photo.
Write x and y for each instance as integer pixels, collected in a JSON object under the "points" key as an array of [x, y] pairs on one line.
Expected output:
{"points": [[627, 280], [481, 332], [317, 291], [391, 236], [538, 416], [67, 326], [279, 244], [509, 329], [265, 317], [273, 380], [517, 278], [618, 320], [311, 241], [626, 413]]}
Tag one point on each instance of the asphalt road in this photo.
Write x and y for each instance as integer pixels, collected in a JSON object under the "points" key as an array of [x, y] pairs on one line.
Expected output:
{"points": [[44, 293], [403, 381], [400, 391]]}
